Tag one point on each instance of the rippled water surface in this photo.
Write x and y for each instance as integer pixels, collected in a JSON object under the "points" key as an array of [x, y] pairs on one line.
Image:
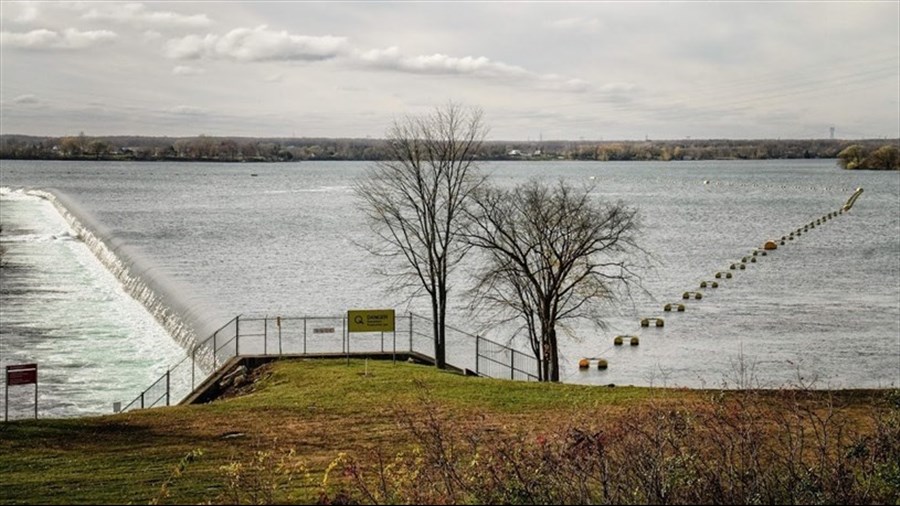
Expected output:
{"points": [[822, 310]]}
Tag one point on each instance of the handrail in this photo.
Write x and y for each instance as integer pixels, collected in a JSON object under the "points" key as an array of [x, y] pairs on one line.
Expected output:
{"points": [[213, 345]]}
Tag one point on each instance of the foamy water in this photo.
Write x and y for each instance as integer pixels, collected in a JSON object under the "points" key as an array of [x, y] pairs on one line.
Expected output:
{"points": [[62, 309]]}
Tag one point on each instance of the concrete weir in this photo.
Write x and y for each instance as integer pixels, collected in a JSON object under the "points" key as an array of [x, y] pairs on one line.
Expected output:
{"points": [[183, 314]]}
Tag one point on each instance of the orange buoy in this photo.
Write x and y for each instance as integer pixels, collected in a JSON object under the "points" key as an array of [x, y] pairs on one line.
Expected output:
{"points": [[770, 245]]}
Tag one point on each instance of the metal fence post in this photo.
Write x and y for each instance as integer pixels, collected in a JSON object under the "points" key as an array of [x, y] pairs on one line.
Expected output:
{"points": [[512, 364], [410, 331], [266, 335], [142, 399], [477, 353], [237, 336], [304, 335], [168, 387], [215, 350]]}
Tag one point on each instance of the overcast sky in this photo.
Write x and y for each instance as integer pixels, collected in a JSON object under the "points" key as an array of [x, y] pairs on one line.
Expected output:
{"points": [[554, 70]]}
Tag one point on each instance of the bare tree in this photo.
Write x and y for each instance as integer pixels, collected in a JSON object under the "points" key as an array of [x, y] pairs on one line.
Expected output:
{"points": [[553, 254], [414, 201]]}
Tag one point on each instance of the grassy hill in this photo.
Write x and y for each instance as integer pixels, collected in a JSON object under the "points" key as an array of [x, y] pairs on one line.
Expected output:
{"points": [[323, 430]]}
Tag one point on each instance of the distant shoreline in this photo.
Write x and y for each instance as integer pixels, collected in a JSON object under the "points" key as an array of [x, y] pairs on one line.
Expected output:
{"points": [[268, 150]]}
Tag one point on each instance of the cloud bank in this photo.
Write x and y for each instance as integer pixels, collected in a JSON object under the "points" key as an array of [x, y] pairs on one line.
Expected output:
{"points": [[254, 45], [50, 39], [138, 14]]}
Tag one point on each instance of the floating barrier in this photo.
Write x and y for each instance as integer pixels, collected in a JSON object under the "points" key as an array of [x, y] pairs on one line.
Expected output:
{"points": [[585, 363], [852, 199], [659, 322], [688, 295], [711, 284], [720, 275], [677, 307], [738, 266], [619, 340]]}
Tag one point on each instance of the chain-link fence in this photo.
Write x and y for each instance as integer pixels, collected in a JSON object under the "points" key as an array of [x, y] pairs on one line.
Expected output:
{"points": [[325, 336]]}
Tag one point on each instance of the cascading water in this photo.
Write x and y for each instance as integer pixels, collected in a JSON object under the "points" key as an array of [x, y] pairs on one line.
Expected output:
{"points": [[182, 316], [72, 315]]}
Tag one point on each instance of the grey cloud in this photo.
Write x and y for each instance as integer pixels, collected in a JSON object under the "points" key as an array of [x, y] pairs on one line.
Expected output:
{"points": [[262, 44], [186, 70], [26, 99], [392, 59], [186, 110], [258, 44], [21, 12], [479, 66], [50, 39], [136, 13], [583, 23]]}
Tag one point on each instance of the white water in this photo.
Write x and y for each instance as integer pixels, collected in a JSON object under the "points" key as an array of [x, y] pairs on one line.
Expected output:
{"points": [[62, 309]]}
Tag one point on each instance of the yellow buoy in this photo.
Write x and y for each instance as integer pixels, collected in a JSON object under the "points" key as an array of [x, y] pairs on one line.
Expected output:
{"points": [[617, 341], [681, 307], [602, 363], [667, 307], [635, 341], [659, 323]]}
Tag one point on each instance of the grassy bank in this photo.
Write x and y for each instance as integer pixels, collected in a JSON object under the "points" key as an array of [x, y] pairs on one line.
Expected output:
{"points": [[281, 437]]}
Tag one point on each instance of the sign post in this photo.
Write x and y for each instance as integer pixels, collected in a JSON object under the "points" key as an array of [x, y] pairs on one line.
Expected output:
{"points": [[24, 374]]}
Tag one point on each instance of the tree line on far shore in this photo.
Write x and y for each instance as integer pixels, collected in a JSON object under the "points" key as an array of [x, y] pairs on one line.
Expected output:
{"points": [[872, 153], [856, 156]]}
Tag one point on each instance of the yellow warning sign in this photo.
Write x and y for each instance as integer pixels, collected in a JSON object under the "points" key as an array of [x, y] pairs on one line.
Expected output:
{"points": [[370, 320]]}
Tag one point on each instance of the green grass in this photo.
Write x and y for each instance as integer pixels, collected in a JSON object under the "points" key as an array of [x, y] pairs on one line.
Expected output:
{"points": [[318, 408]]}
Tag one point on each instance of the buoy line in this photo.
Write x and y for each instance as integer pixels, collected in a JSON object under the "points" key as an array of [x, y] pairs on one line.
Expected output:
{"points": [[769, 245]]}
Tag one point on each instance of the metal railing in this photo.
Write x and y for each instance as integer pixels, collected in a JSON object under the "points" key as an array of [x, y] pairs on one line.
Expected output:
{"points": [[328, 336]]}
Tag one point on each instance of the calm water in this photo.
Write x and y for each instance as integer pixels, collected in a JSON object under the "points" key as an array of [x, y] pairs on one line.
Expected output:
{"points": [[823, 310]]}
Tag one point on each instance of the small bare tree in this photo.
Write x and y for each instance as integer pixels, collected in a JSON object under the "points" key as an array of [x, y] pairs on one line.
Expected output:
{"points": [[553, 254], [414, 201]]}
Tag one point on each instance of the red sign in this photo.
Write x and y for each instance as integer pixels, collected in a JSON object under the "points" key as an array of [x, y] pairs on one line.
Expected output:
{"points": [[25, 374]]}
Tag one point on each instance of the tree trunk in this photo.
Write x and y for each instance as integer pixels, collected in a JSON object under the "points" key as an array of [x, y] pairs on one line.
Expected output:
{"points": [[440, 360], [554, 356]]}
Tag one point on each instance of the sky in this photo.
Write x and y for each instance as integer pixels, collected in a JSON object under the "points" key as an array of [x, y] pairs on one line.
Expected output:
{"points": [[537, 70]]}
